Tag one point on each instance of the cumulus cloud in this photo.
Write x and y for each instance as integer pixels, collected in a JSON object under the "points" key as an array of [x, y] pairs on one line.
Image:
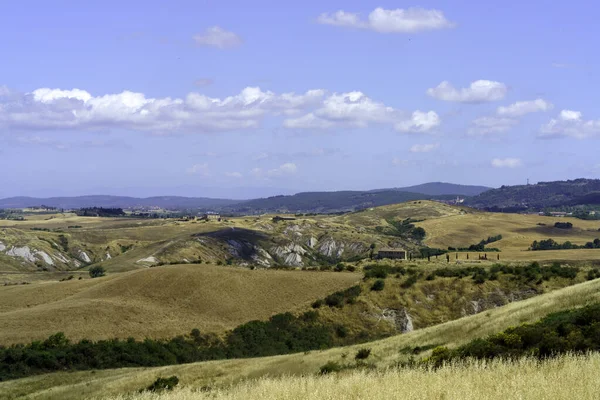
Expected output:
{"points": [[480, 91], [506, 163], [78, 109], [4, 91], [355, 109], [199, 169], [424, 148], [570, 123], [218, 37], [491, 125], [410, 20], [236, 175], [521, 108]]}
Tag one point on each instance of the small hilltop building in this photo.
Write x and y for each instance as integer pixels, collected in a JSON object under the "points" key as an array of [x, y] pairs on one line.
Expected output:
{"points": [[390, 252]]}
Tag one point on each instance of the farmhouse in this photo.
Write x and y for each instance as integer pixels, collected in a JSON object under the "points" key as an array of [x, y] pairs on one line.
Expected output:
{"points": [[210, 216], [388, 252]]}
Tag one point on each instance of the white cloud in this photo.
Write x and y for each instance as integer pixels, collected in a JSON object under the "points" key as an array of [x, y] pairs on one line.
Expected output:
{"points": [[356, 110], [204, 82], [199, 169], [78, 109], [480, 91], [236, 175], [571, 124], [506, 163], [491, 125], [521, 108], [410, 20], [424, 148], [419, 122], [282, 170], [4, 91], [216, 36]]}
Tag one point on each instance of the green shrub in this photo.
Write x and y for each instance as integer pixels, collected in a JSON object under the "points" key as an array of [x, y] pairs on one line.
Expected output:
{"points": [[409, 282], [339, 267], [96, 272], [351, 268], [161, 384], [378, 285], [330, 367], [317, 303], [362, 354]]}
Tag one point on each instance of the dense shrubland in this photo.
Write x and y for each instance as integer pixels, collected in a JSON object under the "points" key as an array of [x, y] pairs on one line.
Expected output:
{"points": [[572, 331]]}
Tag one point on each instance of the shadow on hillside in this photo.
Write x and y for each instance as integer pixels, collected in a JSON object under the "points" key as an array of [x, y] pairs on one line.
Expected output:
{"points": [[244, 241]]}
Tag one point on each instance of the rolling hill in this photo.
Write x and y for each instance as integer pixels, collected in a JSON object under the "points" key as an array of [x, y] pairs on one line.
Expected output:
{"points": [[159, 302], [384, 353], [539, 196], [444, 188], [306, 202], [171, 202]]}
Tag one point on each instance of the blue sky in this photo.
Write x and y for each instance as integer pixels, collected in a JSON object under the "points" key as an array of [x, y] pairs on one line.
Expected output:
{"points": [[244, 99]]}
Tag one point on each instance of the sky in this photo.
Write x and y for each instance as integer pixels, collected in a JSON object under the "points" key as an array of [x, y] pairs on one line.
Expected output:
{"points": [[244, 99]]}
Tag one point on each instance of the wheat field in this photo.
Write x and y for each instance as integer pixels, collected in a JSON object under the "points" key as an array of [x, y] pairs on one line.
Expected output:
{"points": [[568, 377], [160, 302]]}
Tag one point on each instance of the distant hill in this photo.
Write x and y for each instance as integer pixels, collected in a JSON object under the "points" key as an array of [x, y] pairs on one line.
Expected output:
{"points": [[538, 196], [307, 202], [114, 201], [327, 202], [444, 188]]}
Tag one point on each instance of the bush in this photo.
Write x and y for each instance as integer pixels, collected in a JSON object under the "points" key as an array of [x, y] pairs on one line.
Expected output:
{"points": [[362, 354], [378, 285], [317, 303], [563, 225], [409, 282], [339, 268], [96, 272], [351, 268], [161, 384], [330, 367]]}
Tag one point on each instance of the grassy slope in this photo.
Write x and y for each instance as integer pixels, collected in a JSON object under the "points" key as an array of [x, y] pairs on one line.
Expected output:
{"points": [[384, 353], [158, 302], [569, 377]]}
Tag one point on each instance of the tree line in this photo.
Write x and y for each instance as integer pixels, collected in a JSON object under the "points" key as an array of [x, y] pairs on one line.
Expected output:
{"points": [[551, 244]]}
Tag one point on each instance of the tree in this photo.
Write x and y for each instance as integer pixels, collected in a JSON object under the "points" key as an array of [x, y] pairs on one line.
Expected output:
{"points": [[96, 272]]}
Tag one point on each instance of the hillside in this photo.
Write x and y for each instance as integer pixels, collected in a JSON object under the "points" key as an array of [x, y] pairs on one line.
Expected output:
{"points": [[539, 196], [305, 202], [171, 202], [444, 188], [158, 302], [65, 242], [325, 202], [385, 353]]}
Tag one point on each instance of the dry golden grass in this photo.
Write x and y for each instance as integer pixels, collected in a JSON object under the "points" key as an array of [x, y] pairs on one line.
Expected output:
{"points": [[568, 377], [518, 232], [385, 352], [160, 302]]}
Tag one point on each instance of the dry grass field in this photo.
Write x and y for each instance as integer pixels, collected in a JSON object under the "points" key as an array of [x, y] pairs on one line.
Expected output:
{"points": [[385, 353], [159, 302], [568, 377]]}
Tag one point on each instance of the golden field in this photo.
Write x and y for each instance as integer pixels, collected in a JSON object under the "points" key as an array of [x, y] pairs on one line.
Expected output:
{"points": [[159, 302], [385, 353], [568, 377]]}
